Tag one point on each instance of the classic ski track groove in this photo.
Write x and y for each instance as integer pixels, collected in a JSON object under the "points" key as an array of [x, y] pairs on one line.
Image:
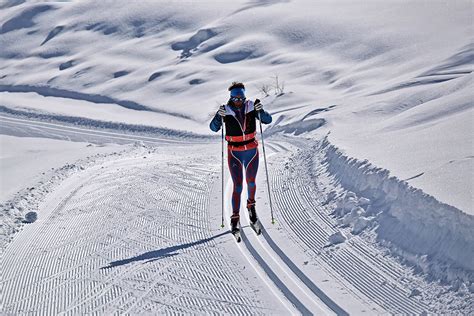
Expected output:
{"points": [[200, 273], [266, 257], [271, 281], [293, 267], [314, 232], [302, 276]]}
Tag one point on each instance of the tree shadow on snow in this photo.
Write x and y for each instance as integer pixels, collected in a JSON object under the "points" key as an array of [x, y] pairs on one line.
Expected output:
{"points": [[151, 256]]}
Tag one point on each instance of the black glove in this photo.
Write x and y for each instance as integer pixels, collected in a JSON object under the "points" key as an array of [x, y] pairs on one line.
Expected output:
{"points": [[257, 105], [221, 111]]}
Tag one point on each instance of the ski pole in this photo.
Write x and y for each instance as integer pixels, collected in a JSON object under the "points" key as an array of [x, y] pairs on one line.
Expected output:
{"points": [[222, 175], [266, 169]]}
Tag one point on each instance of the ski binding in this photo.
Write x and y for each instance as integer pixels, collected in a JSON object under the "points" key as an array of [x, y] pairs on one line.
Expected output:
{"points": [[236, 235]]}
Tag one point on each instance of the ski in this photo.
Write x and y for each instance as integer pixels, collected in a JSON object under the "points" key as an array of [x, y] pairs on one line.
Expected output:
{"points": [[257, 228], [236, 234], [253, 219]]}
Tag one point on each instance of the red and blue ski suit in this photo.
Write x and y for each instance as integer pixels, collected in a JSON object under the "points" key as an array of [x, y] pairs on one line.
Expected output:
{"points": [[242, 147]]}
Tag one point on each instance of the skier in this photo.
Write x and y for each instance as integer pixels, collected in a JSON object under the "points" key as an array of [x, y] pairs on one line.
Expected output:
{"points": [[239, 115]]}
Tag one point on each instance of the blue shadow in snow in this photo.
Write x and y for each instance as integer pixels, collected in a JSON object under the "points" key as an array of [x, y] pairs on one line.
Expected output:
{"points": [[162, 253], [25, 19]]}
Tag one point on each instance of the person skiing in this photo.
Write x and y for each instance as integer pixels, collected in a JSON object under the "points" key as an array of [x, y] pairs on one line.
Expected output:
{"points": [[239, 116]]}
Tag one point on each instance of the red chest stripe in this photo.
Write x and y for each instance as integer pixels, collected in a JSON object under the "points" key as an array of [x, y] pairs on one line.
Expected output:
{"points": [[241, 138]]}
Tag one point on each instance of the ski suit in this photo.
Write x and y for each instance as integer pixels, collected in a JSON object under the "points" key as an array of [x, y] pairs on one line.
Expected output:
{"points": [[242, 147]]}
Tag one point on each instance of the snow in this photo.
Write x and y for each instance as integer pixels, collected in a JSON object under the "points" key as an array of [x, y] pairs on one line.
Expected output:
{"points": [[406, 217], [25, 160], [104, 113], [408, 144], [336, 238]]}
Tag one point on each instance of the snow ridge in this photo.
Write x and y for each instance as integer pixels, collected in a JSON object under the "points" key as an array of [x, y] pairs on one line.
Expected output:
{"points": [[116, 126], [416, 223], [94, 98]]}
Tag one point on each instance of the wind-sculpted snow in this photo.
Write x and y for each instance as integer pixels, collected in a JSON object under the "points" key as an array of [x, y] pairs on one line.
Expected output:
{"points": [[297, 128], [234, 56], [121, 73], [11, 3], [456, 66], [193, 42], [24, 19], [156, 75], [67, 64], [55, 92], [460, 63], [54, 32]]}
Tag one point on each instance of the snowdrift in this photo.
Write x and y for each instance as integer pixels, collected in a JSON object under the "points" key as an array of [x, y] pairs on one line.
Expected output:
{"points": [[435, 237]]}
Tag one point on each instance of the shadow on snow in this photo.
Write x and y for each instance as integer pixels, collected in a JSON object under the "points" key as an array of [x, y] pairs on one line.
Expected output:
{"points": [[151, 256]]}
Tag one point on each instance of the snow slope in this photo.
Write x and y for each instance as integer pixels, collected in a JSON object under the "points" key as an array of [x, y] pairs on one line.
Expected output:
{"points": [[370, 155], [391, 70]]}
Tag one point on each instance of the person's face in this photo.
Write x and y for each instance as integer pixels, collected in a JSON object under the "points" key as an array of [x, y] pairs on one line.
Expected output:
{"points": [[238, 100]]}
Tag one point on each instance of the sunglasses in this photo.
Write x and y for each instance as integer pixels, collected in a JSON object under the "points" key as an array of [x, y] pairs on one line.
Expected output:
{"points": [[237, 99]]}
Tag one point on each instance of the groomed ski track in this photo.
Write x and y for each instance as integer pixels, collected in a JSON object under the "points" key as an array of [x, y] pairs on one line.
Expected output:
{"points": [[265, 256], [140, 234], [28, 128], [357, 264]]}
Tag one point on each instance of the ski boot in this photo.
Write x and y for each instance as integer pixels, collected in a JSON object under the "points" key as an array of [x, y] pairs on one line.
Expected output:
{"points": [[234, 226], [254, 222]]}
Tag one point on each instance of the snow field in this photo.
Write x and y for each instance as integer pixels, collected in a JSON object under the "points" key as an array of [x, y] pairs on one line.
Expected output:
{"points": [[379, 216], [404, 70]]}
